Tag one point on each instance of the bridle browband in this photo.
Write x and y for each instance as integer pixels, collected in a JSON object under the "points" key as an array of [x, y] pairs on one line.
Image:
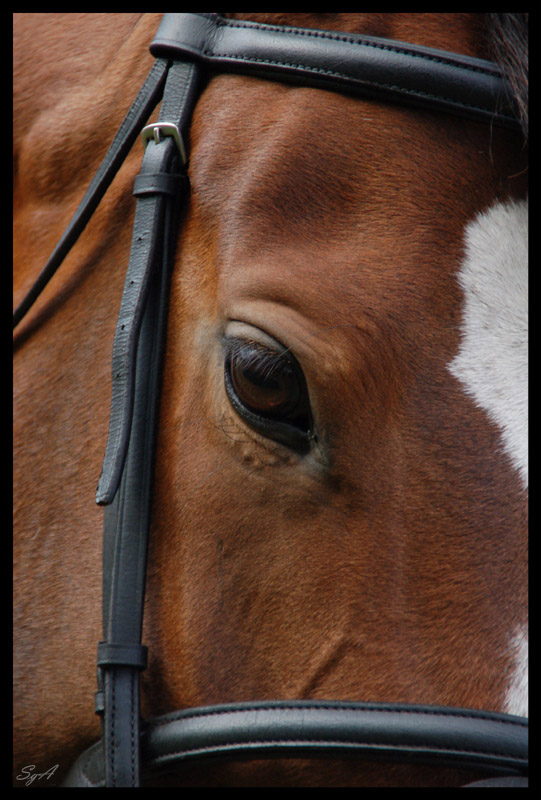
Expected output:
{"points": [[187, 47]]}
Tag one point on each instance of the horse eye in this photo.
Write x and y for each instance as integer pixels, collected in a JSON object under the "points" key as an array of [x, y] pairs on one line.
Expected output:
{"points": [[267, 389]]}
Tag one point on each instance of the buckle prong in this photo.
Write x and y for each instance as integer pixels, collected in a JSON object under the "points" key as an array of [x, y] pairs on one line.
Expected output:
{"points": [[156, 130]]}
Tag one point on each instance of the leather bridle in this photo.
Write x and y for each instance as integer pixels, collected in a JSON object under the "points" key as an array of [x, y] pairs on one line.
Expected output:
{"points": [[187, 48]]}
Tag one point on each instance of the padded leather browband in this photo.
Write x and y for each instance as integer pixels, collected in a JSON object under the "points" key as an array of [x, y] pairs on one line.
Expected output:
{"points": [[410, 734], [364, 65]]}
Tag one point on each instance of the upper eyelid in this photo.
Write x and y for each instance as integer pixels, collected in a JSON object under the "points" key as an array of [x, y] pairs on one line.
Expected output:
{"points": [[254, 353]]}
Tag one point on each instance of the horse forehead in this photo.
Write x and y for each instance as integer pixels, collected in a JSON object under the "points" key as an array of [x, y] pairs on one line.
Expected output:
{"points": [[311, 199], [271, 161], [256, 142], [281, 172]]}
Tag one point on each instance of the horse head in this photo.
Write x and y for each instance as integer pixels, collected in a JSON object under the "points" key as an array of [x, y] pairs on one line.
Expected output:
{"points": [[340, 493]]}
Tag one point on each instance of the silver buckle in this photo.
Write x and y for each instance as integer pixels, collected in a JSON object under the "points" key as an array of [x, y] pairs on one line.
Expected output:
{"points": [[158, 129]]}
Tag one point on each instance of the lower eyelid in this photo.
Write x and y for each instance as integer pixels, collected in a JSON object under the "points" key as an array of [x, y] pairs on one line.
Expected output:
{"points": [[257, 450]]}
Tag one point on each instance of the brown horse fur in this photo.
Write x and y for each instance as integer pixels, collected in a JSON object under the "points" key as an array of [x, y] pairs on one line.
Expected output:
{"points": [[390, 563]]}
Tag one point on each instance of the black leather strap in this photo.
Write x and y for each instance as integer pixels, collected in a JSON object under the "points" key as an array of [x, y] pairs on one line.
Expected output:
{"points": [[156, 181], [126, 479], [496, 743], [403, 732], [380, 68], [126, 655]]}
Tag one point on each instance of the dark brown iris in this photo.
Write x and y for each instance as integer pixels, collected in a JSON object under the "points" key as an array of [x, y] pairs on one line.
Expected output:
{"points": [[265, 382]]}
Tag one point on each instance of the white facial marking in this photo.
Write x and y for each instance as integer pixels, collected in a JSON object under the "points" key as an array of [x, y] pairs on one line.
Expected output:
{"points": [[516, 701], [492, 363]]}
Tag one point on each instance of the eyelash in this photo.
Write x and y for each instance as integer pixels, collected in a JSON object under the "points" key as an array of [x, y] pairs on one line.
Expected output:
{"points": [[252, 354]]}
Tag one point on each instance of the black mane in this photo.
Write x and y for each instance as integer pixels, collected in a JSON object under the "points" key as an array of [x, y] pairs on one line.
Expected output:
{"points": [[508, 44]]}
